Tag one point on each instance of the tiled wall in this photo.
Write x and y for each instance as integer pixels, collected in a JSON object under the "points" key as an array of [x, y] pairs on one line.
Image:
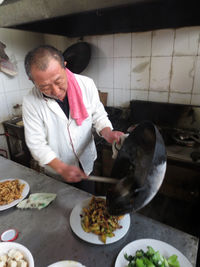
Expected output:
{"points": [[13, 88], [161, 65]]}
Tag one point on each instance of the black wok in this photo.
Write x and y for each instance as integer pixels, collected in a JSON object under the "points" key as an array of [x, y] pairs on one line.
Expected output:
{"points": [[140, 167], [77, 56]]}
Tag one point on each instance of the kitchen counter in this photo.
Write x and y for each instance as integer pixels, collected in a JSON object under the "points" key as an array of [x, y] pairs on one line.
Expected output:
{"points": [[47, 233]]}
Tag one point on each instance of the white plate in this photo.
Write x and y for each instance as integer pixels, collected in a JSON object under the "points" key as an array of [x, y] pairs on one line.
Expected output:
{"points": [[75, 223], [165, 249], [6, 246], [66, 264], [15, 202]]}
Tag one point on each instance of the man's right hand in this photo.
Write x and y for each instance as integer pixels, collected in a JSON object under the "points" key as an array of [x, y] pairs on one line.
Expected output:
{"points": [[70, 174]]}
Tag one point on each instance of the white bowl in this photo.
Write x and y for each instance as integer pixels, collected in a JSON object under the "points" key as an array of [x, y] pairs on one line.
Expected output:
{"points": [[66, 264], [6, 246]]}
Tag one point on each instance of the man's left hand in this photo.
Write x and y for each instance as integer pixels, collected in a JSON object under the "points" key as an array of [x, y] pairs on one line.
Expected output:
{"points": [[111, 136]]}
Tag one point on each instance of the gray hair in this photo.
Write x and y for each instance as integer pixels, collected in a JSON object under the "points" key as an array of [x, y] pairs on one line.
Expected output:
{"points": [[40, 57]]}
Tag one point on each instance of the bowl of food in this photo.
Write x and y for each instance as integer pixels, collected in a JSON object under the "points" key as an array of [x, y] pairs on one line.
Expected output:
{"points": [[151, 252], [15, 254]]}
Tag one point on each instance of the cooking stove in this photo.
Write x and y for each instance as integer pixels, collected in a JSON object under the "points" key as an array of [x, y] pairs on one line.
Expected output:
{"points": [[14, 132], [182, 144], [179, 126]]}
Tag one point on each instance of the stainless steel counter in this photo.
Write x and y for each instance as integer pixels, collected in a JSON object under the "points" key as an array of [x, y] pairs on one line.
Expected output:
{"points": [[47, 233]]}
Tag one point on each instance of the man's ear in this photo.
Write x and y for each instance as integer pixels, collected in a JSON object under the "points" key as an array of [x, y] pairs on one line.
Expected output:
{"points": [[65, 62]]}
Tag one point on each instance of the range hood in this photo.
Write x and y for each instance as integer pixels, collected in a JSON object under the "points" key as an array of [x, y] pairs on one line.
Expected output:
{"points": [[75, 18], [15, 12]]}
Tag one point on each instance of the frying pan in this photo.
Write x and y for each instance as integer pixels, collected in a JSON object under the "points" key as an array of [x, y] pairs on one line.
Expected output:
{"points": [[77, 56], [140, 167]]}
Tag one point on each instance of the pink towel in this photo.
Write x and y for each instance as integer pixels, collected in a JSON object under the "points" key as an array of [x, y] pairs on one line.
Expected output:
{"points": [[77, 108]]}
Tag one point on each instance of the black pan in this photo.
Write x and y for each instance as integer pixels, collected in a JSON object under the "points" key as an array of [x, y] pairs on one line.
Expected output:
{"points": [[140, 167], [77, 56]]}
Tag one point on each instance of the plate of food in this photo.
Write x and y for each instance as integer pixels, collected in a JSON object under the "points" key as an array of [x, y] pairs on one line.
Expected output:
{"points": [[66, 264], [15, 254], [12, 191], [90, 221], [151, 251]]}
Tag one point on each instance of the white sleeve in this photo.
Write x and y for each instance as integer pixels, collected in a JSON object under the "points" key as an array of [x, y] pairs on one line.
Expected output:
{"points": [[99, 114], [35, 134]]}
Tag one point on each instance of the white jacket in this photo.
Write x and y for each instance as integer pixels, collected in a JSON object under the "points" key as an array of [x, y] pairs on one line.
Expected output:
{"points": [[50, 134]]}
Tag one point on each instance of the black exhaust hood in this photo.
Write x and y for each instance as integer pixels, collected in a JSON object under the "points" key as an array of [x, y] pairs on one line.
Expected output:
{"points": [[136, 17]]}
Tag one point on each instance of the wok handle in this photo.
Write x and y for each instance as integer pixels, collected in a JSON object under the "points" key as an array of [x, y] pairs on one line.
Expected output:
{"points": [[103, 179]]}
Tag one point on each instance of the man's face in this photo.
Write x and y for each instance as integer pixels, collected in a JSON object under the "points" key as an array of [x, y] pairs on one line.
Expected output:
{"points": [[52, 82]]}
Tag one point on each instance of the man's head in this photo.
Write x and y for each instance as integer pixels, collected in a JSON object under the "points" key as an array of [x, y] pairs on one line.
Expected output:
{"points": [[45, 67], [40, 57]]}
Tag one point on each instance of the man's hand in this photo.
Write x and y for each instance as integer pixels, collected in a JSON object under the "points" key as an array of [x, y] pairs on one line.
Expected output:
{"points": [[70, 174], [111, 136]]}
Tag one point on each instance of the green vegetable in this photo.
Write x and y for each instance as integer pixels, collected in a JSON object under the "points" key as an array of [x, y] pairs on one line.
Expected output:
{"points": [[139, 263], [173, 261], [151, 258]]}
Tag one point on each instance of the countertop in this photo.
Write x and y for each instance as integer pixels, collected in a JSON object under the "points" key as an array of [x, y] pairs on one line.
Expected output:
{"points": [[47, 233]]}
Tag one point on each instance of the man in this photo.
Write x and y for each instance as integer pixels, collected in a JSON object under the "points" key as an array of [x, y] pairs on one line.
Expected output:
{"points": [[59, 114]]}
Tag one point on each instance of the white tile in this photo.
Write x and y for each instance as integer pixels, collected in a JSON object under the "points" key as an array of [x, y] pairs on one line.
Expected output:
{"points": [[105, 78], [5, 35], [122, 97], [51, 40], [61, 42], [24, 93], [162, 42], [10, 83], [160, 73], [182, 74], [196, 88], [92, 70], [139, 95], [93, 41], [5, 38], [122, 73], [141, 44], [105, 45], [122, 45], [140, 73], [158, 96], [179, 98], [12, 99], [195, 99], [24, 41], [4, 112], [186, 41], [110, 100], [24, 82], [1, 82]]}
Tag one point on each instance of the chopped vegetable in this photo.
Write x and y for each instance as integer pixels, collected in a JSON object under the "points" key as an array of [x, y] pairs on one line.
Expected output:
{"points": [[97, 220], [151, 258]]}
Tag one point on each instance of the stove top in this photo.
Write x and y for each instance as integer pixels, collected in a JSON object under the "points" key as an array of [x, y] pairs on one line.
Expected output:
{"points": [[178, 124]]}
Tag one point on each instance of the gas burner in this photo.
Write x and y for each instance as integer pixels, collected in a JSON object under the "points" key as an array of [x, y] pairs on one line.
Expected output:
{"points": [[185, 138], [181, 137]]}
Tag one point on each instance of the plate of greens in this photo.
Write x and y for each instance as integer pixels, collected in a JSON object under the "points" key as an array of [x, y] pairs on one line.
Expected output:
{"points": [[150, 252]]}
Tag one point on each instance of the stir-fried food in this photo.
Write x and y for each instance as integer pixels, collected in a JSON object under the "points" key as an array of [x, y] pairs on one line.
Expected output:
{"points": [[10, 191], [97, 220]]}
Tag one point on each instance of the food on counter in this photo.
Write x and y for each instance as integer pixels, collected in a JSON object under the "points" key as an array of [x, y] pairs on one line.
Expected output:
{"points": [[14, 258], [151, 258], [96, 219], [10, 190]]}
